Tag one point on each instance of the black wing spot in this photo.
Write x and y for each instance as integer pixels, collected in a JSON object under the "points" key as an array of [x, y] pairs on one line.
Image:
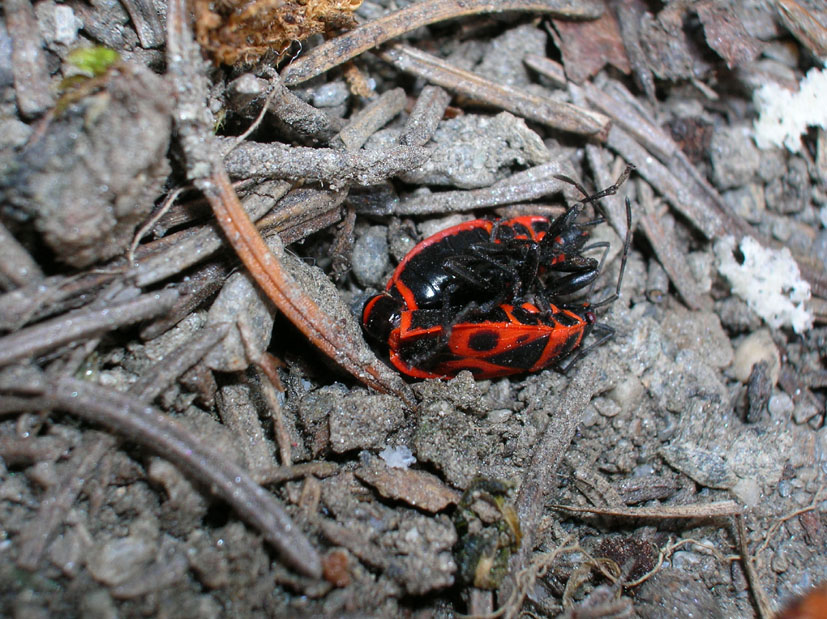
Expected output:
{"points": [[484, 340], [522, 357]]}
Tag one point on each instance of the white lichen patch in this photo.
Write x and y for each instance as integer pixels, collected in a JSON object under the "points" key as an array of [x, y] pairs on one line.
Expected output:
{"points": [[785, 115], [768, 280]]}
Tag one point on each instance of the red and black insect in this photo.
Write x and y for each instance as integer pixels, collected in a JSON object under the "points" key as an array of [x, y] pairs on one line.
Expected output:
{"points": [[484, 296]]}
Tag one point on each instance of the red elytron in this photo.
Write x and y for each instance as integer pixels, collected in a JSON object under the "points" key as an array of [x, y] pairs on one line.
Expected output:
{"points": [[507, 340], [485, 296]]}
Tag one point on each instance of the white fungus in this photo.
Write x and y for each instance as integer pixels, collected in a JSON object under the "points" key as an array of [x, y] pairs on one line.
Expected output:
{"points": [[768, 280]]}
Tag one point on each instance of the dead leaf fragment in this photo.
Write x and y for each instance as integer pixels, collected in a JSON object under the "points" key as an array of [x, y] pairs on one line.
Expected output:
{"points": [[419, 489], [587, 46]]}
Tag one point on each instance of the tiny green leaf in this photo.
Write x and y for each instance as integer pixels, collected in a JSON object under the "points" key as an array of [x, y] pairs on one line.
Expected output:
{"points": [[93, 61]]}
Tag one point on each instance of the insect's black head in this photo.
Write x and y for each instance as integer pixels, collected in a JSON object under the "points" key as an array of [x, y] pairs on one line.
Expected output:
{"points": [[380, 316]]}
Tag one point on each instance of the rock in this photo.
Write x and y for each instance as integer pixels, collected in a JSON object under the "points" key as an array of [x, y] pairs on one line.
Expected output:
{"points": [[370, 261], [735, 159]]}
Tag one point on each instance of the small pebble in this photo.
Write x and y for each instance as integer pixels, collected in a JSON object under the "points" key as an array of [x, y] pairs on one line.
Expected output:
{"points": [[735, 158], [781, 405], [370, 257], [747, 491], [331, 94]]}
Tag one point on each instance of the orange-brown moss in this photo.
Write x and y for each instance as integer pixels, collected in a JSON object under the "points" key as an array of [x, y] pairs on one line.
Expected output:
{"points": [[234, 31]]}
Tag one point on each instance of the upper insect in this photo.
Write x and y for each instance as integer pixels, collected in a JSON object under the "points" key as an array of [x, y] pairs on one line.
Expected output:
{"points": [[489, 296]]}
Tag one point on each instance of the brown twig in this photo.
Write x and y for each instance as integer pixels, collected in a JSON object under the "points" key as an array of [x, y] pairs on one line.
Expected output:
{"points": [[199, 243], [332, 167], [762, 604], [540, 477], [701, 510], [371, 118], [425, 116], [367, 36], [668, 251], [497, 195], [806, 28], [157, 378], [555, 114], [81, 324]]}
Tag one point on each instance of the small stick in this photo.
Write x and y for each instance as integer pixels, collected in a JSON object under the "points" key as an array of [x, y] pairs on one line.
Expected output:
{"points": [[700, 510], [459, 201], [336, 51], [373, 117], [555, 114], [81, 324], [425, 116], [162, 374], [762, 604], [668, 252], [332, 167]]}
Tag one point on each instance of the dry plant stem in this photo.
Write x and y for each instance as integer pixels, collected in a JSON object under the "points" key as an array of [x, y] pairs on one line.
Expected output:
{"points": [[199, 244], [629, 14], [458, 201], [285, 292], [625, 112], [349, 45], [28, 62], [555, 114], [192, 291], [301, 212], [668, 251], [541, 476], [82, 324], [658, 175], [58, 500], [777, 525], [17, 268], [150, 223], [302, 118], [51, 296], [299, 471], [268, 390], [678, 180], [332, 167], [701, 510], [161, 375], [548, 68], [149, 427], [762, 604], [373, 117], [603, 177], [425, 116]]}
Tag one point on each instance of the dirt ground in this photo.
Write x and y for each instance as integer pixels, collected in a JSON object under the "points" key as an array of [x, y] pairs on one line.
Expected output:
{"points": [[178, 440]]}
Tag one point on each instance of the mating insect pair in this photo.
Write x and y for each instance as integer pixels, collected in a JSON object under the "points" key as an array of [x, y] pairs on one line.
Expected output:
{"points": [[487, 296]]}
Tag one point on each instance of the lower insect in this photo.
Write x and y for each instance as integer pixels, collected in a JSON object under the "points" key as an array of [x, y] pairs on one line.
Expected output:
{"points": [[494, 297]]}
